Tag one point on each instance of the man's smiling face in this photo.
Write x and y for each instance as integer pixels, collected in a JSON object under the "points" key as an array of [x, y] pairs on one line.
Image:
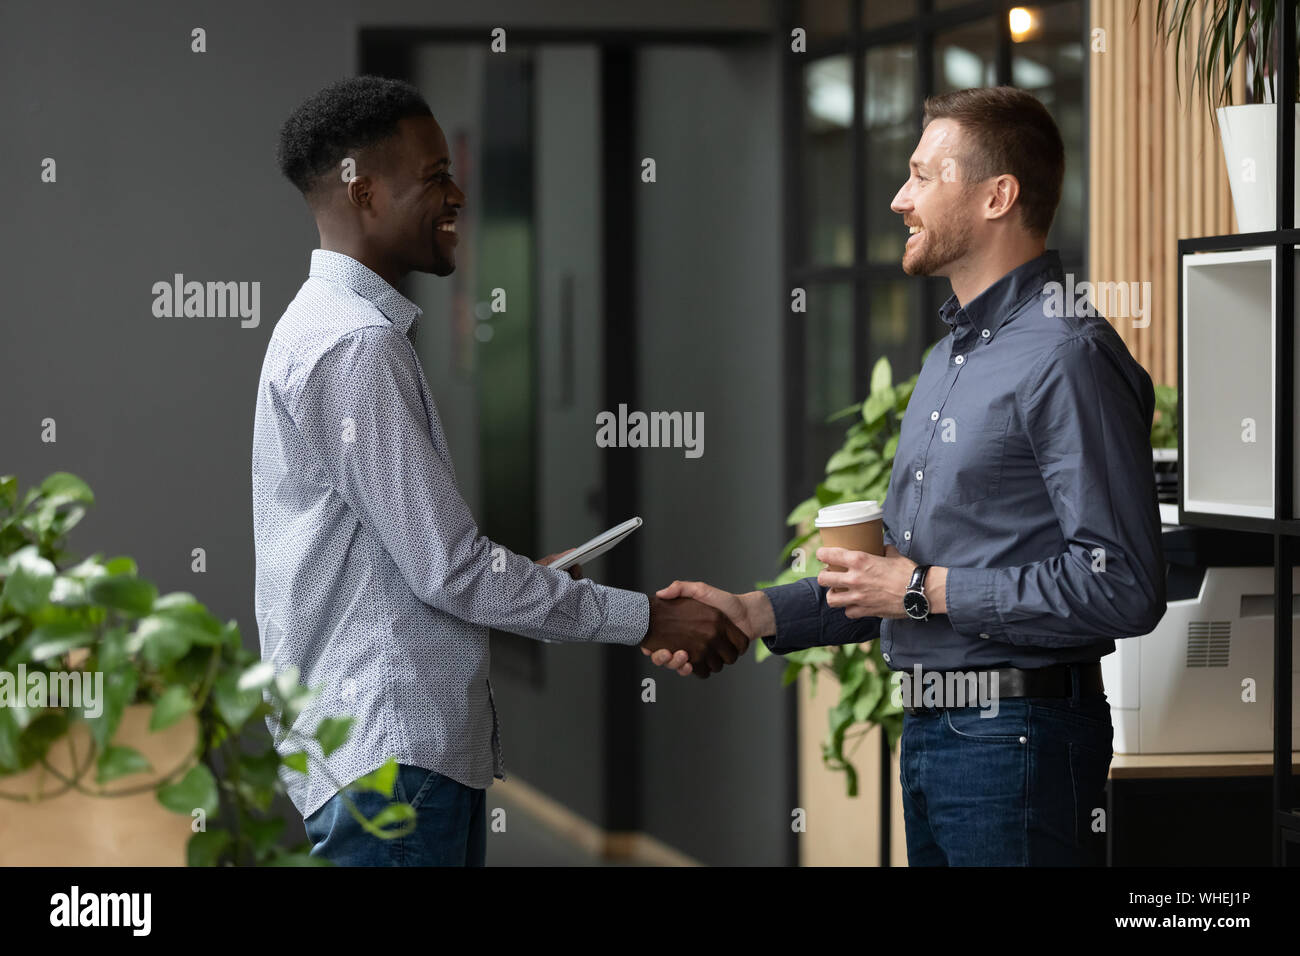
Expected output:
{"points": [[937, 207], [421, 201]]}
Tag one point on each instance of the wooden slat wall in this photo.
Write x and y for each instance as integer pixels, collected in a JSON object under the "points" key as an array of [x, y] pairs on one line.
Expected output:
{"points": [[1157, 173]]}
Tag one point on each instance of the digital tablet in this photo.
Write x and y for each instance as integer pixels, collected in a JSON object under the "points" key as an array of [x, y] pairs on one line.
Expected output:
{"points": [[597, 545]]}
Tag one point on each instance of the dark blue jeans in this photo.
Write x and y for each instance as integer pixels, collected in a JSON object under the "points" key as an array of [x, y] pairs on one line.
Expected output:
{"points": [[1023, 788], [451, 825]]}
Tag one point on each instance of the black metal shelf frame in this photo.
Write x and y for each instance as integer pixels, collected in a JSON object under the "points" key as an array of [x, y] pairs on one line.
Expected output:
{"points": [[1284, 526]]}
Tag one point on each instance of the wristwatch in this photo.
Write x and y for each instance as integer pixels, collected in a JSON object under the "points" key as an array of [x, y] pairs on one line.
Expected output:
{"points": [[915, 603]]}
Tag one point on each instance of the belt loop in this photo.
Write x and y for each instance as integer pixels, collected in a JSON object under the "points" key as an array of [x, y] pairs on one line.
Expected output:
{"points": [[1074, 685]]}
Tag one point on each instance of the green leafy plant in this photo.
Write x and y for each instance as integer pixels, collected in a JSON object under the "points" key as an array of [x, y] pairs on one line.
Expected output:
{"points": [[1228, 27], [859, 470], [1164, 427], [59, 615]]}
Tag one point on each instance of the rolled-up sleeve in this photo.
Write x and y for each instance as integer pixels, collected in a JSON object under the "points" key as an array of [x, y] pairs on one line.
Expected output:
{"points": [[1090, 434], [361, 412], [804, 620]]}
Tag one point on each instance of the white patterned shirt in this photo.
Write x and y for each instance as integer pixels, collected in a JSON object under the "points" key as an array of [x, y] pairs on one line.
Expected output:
{"points": [[372, 578]]}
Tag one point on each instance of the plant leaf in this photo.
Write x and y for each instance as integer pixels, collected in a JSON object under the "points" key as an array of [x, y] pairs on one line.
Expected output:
{"points": [[174, 704], [51, 640], [63, 487], [233, 705], [332, 733], [297, 761], [117, 761], [197, 790], [123, 592], [30, 579], [205, 847], [119, 691], [380, 780]]}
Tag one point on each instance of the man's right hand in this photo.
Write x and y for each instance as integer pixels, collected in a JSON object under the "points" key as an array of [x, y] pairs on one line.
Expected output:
{"points": [[751, 612], [701, 637]]}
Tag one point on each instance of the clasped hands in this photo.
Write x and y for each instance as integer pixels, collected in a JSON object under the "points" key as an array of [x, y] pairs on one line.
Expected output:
{"points": [[696, 637], [872, 586], [696, 628]]}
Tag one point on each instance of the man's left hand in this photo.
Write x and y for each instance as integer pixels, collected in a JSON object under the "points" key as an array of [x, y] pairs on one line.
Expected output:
{"points": [[874, 584], [575, 572]]}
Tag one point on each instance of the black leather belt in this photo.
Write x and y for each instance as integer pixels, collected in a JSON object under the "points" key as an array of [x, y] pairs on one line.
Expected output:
{"points": [[1051, 681]]}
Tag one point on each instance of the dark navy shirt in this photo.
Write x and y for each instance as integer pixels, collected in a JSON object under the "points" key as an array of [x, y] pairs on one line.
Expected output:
{"points": [[1023, 466]]}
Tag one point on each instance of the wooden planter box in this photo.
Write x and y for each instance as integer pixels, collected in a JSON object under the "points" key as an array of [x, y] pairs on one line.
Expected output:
{"points": [[74, 829]]}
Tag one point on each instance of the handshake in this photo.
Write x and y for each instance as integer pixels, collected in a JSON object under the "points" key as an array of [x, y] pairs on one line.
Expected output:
{"points": [[696, 628]]}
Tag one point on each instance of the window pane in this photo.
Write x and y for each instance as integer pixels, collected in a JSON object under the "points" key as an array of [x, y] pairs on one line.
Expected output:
{"points": [[880, 13], [828, 373], [892, 321], [889, 115], [827, 186], [966, 57], [825, 20], [1047, 60]]}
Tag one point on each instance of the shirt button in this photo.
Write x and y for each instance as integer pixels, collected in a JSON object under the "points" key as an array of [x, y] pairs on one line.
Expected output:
{"points": [[985, 334], [918, 475], [934, 416], [907, 536], [983, 635], [886, 657], [1024, 740], [959, 359]]}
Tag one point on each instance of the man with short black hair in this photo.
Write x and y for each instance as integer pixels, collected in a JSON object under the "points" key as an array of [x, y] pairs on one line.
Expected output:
{"points": [[372, 578]]}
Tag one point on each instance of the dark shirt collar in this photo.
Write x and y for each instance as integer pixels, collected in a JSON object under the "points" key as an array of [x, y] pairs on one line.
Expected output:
{"points": [[996, 304]]}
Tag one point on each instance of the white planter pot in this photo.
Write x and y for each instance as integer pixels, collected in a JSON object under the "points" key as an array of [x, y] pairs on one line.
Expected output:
{"points": [[1250, 150]]}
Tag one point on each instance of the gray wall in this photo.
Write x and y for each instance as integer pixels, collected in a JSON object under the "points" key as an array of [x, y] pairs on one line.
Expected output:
{"points": [[709, 334], [166, 165]]}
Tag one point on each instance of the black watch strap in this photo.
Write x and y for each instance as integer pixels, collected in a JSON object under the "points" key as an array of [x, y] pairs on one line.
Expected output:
{"points": [[918, 578]]}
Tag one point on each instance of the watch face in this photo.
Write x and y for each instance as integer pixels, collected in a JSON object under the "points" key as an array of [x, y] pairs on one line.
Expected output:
{"points": [[915, 605]]}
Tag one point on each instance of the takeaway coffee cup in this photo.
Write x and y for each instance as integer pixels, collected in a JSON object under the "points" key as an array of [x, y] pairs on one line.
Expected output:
{"points": [[854, 525]]}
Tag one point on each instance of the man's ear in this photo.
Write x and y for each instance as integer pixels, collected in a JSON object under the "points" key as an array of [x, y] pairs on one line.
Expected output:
{"points": [[361, 191], [1006, 190]]}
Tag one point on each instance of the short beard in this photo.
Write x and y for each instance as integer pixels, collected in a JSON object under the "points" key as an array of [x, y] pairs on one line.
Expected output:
{"points": [[945, 245]]}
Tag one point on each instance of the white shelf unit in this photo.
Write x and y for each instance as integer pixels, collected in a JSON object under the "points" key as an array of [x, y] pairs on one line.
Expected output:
{"points": [[1229, 327]]}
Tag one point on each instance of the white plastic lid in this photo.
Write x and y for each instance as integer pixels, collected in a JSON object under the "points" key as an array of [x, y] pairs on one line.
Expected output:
{"points": [[849, 512]]}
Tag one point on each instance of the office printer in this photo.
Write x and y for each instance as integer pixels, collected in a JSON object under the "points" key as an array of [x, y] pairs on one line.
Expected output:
{"points": [[1181, 688]]}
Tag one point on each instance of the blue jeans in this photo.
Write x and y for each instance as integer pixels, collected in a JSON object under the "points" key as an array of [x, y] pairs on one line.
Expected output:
{"points": [[451, 825], [1023, 788]]}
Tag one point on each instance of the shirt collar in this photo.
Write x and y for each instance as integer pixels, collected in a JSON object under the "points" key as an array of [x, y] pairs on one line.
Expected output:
{"points": [[343, 269], [996, 304]]}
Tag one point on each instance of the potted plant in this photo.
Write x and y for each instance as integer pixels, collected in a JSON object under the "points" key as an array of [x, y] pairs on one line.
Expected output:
{"points": [[1237, 35], [858, 471], [98, 672]]}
